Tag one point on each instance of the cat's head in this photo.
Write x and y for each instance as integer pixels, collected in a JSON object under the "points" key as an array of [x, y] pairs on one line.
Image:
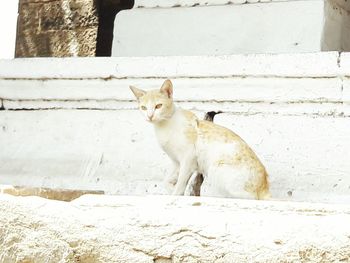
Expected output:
{"points": [[156, 105]]}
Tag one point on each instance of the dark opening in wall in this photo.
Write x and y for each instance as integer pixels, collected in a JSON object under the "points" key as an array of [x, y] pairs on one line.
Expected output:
{"points": [[107, 11]]}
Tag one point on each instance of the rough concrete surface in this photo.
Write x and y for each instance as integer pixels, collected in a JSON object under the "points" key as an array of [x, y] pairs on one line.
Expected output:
{"points": [[171, 229]]}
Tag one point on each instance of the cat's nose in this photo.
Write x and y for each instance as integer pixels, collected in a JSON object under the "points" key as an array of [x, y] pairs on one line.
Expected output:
{"points": [[150, 117]]}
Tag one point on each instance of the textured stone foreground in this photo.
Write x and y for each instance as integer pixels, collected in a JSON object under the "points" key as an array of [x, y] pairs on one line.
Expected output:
{"points": [[97, 228]]}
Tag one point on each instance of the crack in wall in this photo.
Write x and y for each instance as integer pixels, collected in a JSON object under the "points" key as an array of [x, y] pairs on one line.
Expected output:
{"points": [[341, 76], [339, 59]]}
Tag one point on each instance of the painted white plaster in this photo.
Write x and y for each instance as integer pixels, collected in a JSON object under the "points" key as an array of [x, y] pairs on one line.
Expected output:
{"points": [[344, 63], [278, 27], [83, 130]]}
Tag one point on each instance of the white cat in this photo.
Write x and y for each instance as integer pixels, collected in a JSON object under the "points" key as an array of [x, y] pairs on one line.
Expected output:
{"points": [[229, 167]]}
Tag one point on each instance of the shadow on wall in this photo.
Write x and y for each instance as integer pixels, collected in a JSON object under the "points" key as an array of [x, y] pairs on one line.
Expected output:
{"points": [[107, 11]]}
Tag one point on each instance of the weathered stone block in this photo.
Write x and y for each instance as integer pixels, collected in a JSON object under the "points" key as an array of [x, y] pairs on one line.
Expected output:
{"points": [[57, 28], [81, 42], [28, 20], [59, 16]]}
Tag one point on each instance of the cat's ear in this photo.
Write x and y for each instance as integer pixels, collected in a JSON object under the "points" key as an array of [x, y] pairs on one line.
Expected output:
{"points": [[167, 88], [137, 92]]}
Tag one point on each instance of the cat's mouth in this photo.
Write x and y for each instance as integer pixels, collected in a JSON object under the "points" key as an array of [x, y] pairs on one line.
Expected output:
{"points": [[153, 120]]}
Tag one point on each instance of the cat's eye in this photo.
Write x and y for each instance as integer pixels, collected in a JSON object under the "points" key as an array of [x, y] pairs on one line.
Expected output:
{"points": [[143, 108], [158, 106]]}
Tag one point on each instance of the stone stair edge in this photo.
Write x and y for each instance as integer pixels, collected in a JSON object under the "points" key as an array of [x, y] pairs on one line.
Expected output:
{"points": [[297, 65], [99, 199]]}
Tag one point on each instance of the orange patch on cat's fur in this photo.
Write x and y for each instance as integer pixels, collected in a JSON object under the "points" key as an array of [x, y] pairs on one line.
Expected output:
{"points": [[190, 131], [213, 132], [191, 134], [153, 95], [260, 186]]}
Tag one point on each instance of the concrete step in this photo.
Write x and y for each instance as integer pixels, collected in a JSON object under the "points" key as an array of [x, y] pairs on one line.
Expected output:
{"points": [[72, 123]]}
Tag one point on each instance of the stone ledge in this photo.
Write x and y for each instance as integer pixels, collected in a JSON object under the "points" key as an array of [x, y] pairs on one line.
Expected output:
{"points": [[307, 96], [307, 83], [297, 65], [171, 229]]}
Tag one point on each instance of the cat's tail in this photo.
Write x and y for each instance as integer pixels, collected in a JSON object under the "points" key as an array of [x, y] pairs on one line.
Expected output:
{"points": [[209, 116]]}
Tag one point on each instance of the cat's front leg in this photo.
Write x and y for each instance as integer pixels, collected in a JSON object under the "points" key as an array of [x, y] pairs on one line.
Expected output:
{"points": [[187, 167], [171, 180]]}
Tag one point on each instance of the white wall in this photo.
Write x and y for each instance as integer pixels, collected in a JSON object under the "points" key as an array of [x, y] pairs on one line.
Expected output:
{"points": [[219, 27], [8, 27], [158, 29]]}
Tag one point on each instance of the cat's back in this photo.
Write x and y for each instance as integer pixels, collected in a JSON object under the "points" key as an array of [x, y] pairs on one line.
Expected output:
{"points": [[219, 146], [223, 143], [214, 133]]}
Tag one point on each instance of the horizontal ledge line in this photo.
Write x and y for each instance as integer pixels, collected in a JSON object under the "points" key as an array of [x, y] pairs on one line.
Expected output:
{"points": [[313, 115], [272, 102], [111, 77]]}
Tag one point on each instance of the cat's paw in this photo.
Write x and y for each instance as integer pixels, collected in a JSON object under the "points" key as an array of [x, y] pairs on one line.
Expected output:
{"points": [[172, 181], [169, 186]]}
